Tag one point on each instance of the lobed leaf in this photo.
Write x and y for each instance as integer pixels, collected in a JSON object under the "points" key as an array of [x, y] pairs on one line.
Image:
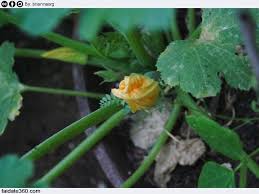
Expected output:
{"points": [[214, 175], [197, 66], [10, 97]]}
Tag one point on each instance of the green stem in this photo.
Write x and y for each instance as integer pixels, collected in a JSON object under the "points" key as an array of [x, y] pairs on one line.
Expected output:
{"points": [[67, 42], [33, 53], [71, 131], [26, 88], [252, 166], [243, 176], [195, 34], [186, 100], [134, 39], [191, 20], [175, 29], [54, 37], [85, 146], [147, 162]]}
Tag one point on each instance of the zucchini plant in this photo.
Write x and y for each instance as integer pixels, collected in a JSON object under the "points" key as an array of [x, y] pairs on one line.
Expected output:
{"points": [[153, 59]]}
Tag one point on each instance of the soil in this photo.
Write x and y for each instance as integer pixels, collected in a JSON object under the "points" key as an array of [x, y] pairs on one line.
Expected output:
{"points": [[42, 115]]}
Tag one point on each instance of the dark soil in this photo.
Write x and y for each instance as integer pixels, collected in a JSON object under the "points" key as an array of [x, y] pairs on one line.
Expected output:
{"points": [[42, 115]]}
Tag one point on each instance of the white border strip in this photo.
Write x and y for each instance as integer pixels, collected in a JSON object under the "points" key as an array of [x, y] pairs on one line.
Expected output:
{"points": [[130, 191], [146, 3]]}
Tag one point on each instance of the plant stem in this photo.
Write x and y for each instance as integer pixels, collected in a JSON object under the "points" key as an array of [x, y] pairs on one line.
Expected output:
{"points": [[191, 20], [243, 176], [195, 34], [67, 42], [26, 88], [71, 131], [54, 37], [134, 39], [83, 147], [252, 166], [186, 100], [147, 162], [33, 53], [175, 29]]}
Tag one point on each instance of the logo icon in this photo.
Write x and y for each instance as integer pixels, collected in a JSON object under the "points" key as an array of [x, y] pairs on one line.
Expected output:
{"points": [[12, 3], [19, 3], [4, 4]]}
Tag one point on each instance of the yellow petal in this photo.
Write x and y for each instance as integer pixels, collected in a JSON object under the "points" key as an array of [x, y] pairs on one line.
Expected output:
{"points": [[140, 92]]}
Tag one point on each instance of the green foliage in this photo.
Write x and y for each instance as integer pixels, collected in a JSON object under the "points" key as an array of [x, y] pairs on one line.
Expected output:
{"points": [[39, 21], [123, 19], [67, 55], [220, 139], [107, 100], [214, 175], [14, 171], [113, 45], [10, 98], [196, 66], [108, 75]]}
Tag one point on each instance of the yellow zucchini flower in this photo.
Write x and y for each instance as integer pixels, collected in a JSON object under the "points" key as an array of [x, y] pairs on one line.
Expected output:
{"points": [[139, 91]]}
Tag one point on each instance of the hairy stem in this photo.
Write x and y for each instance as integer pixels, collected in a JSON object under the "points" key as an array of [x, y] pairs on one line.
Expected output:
{"points": [[26, 88], [70, 132], [147, 162], [83, 147]]}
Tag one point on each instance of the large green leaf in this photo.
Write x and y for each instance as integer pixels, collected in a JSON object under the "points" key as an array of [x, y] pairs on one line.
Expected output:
{"points": [[197, 66], [123, 19], [10, 98], [14, 171], [214, 175], [39, 21], [220, 139]]}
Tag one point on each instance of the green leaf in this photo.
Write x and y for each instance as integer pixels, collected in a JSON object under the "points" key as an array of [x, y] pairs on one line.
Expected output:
{"points": [[10, 98], [108, 75], [67, 55], [113, 45], [39, 21], [197, 66], [220, 139], [124, 20], [14, 171], [214, 175]]}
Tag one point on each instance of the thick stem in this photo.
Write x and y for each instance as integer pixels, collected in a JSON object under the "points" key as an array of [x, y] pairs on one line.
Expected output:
{"points": [[147, 162], [26, 88], [67, 42], [83, 147], [70, 132], [243, 176], [134, 39], [186, 100], [175, 29], [195, 34], [33, 53], [252, 166], [191, 20]]}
